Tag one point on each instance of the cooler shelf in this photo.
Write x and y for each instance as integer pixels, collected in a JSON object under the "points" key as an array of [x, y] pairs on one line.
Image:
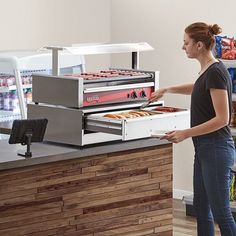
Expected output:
{"points": [[229, 63], [13, 87], [14, 62], [8, 116]]}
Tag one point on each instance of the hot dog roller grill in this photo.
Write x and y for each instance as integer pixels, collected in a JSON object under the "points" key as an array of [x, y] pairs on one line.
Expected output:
{"points": [[75, 106]]}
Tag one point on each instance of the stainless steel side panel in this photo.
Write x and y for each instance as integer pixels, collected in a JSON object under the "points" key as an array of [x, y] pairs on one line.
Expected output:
{"points": [[54, 90], [105, 126], [140, 127], [64, 125]]}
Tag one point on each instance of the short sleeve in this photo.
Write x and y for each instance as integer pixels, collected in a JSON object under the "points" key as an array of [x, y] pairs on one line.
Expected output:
{"points": [[216, 79]]}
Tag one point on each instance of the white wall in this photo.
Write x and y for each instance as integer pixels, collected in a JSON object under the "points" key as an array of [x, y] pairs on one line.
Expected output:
{"points": [[31, 24], [161, 23]]}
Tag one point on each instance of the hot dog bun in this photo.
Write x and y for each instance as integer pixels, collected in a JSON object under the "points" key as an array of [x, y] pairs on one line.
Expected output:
{"points": [[140, 113], [120, 116], [127, 115], [113, 116], [143, 113], [124, 115]]}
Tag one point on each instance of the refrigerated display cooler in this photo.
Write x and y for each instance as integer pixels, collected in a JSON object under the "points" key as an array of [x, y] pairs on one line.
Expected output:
{"points": [[16, 69]]}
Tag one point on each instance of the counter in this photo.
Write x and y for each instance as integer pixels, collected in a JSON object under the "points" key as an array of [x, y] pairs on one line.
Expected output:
{"points": [[116, 188], [5, 127]]}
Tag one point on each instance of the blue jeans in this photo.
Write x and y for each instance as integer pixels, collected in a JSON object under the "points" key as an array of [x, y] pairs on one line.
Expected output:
{"points": [[214, 158]]}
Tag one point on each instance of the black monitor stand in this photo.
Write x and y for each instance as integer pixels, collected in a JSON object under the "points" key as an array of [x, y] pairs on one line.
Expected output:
{"points": [[27, 132], [28, 153]]}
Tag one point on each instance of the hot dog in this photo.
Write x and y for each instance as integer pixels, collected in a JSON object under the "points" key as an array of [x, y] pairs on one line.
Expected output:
{"points": [[166, 109]]}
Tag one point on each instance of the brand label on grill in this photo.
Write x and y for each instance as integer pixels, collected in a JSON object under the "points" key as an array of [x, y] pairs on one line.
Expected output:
{"points": [[92, 99]]}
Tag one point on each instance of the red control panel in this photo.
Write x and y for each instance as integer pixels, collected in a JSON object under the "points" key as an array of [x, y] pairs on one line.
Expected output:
{"points": [[115, 96]]}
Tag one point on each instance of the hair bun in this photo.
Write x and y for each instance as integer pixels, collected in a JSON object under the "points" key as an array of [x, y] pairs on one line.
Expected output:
{"points": [[215, 29]]}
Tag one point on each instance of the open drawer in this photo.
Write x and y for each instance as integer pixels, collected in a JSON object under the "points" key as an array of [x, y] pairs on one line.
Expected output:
{"points": [[138, 127]]}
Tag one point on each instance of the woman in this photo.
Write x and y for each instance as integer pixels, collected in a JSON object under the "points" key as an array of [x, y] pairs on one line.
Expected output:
{"points": [[211, 104]]}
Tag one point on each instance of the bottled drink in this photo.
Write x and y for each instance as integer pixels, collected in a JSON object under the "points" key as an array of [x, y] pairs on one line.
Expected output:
{"points": [[6, 102], [14, 102], [231, 72], [1, 101], [9, 81], [29, 95], [2, 81], [25, 95]]}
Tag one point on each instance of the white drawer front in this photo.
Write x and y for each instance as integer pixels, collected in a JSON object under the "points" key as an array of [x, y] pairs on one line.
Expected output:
{"points": [[140, 127]]}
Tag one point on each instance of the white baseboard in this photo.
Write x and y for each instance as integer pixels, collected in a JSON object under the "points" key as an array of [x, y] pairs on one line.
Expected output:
{"points": [[178, 193]]}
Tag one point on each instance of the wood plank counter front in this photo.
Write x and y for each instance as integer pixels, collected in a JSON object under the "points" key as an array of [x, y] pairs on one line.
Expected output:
{"points": [[119, 193]]}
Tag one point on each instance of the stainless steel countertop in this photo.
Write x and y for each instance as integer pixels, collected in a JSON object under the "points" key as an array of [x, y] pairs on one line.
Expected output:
{"points": [[51, 152]]}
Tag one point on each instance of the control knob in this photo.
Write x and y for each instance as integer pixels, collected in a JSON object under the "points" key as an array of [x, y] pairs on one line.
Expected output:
{"points": [[143, 94], [134, 95]]}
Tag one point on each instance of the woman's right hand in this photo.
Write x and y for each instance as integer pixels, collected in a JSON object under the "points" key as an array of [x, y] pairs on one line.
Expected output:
{"points": [[157, 94]]}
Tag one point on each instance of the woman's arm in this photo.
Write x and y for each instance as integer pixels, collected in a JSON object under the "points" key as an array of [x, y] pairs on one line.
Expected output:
{"points": [[221, 106], [178, 89]]}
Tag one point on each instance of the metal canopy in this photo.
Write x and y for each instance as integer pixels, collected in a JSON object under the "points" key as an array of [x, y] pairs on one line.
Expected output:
{"points": [[89, 49]]}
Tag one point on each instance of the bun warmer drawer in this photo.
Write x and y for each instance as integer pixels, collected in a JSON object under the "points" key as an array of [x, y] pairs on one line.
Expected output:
{"points": [[138, 127]]}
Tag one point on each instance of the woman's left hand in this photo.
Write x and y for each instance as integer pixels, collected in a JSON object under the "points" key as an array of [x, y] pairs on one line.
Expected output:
{"points": [[175, 136]]}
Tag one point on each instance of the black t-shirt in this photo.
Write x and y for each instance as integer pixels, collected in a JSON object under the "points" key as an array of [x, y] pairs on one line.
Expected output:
{"points": [[202, 110]]}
